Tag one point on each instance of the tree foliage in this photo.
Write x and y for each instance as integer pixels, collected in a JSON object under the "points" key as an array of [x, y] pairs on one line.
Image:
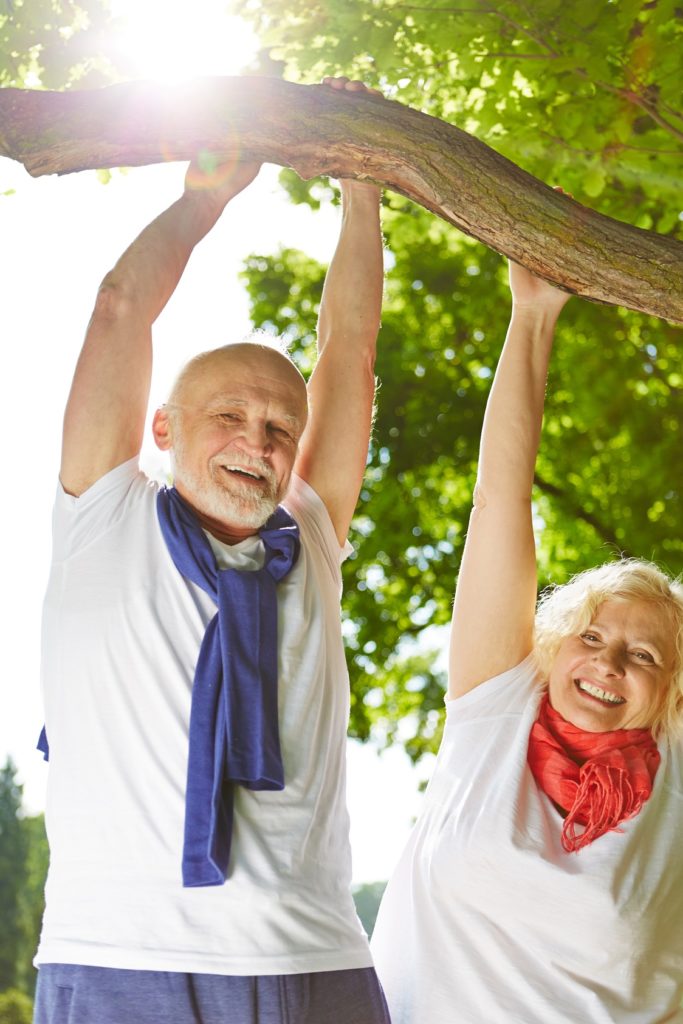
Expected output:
{"points": [[582, 94], [13, 850], [15, 1007], [23, 867], [54, 43], [31, 900]]}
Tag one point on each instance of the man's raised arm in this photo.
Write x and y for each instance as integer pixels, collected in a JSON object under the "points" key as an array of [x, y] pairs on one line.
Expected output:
{"points": [[334, 447], [105, 413]]}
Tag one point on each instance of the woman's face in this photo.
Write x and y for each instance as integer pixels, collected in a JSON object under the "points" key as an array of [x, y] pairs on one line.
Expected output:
{"points": [[614, 675]]}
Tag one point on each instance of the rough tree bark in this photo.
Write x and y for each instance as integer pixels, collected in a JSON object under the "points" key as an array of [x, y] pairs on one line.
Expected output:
{"points": [[317, 130]]}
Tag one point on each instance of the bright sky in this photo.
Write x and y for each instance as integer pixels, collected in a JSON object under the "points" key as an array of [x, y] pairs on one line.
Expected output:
{"points": [[59, 237]]}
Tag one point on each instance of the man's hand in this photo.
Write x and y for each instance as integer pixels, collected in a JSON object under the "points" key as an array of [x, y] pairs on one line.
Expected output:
{"points": [[219, 182], [351, 186], [349, 84]]}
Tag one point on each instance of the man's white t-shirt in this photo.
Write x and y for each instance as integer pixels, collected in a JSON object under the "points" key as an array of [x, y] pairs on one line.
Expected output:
{"points": [[487, 920], [121, 634]]}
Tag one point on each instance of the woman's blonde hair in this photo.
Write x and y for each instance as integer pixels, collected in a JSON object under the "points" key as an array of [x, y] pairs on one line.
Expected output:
{"points": [[567, 610]]}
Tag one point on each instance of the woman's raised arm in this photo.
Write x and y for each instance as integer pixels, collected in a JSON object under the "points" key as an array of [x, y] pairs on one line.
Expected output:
{"points": [[495, 597]]}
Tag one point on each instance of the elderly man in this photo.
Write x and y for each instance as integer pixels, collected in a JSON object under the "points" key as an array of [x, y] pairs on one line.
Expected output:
{"points": [[195, 685]]}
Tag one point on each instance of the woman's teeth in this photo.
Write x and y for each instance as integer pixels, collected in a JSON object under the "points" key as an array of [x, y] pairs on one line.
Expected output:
{"points": [[596, 691]]}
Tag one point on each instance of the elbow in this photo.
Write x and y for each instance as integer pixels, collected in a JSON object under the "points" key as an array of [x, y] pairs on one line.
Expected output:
{"points": [[364, 349], [115, 299], [369, 358], [479, 500]]}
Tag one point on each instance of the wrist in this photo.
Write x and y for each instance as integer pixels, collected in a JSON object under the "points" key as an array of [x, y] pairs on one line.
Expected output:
{"points": [[359, 192], [534, 316], [205, 203]]}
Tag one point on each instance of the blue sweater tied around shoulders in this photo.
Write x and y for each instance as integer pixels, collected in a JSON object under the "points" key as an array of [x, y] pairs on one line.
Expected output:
{"points": [[234, 734]]}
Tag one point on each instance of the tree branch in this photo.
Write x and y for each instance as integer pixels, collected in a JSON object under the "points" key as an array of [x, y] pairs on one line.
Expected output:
{"points": [[316, 130]]}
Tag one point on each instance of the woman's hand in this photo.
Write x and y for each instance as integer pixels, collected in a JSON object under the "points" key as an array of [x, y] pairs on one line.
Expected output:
{"points": [[533, 293]]}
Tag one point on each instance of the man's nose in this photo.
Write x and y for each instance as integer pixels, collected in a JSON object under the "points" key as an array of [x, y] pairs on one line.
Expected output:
{"points": [[254, 439]]}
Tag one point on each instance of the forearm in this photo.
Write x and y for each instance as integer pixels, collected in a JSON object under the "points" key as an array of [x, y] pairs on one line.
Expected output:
{"points": [[334, 448], [351, 303], [514, 412], [495, 597], [146, 275]]}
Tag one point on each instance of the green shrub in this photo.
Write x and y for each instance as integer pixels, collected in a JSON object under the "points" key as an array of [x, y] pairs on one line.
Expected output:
{"points": [[15, 1007]]}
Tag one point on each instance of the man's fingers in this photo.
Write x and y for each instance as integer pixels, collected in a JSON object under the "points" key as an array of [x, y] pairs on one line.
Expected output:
{"points": [[340, 82]]}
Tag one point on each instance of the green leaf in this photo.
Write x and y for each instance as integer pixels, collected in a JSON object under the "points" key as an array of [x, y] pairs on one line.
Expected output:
{"points": [[594, 180]]}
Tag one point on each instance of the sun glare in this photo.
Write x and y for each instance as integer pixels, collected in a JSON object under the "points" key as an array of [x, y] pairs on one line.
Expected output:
{"points": [[173, 41]]}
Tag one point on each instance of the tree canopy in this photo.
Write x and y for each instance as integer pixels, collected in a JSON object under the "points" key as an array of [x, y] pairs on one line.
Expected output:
{"points": [[583, 95]]}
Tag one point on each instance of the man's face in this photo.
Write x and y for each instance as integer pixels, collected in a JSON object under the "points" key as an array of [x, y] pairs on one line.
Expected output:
{"points": [[235, 432]]}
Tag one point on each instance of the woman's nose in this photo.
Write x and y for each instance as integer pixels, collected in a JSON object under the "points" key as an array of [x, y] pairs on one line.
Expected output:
{"points": [[611, 661]]}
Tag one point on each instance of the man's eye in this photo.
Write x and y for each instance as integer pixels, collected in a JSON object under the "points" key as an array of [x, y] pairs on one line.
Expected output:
{"points": [[231, 416], [281, 432]]}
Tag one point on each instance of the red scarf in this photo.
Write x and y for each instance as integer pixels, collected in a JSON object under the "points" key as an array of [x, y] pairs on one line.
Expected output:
{"points": [[599, 778]]}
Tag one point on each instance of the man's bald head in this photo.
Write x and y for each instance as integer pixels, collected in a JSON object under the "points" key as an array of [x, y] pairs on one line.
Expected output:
{"points": [[251, 356]]}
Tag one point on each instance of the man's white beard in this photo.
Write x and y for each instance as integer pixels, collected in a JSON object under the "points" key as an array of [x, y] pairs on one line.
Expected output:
{"points": [[239, 503]]}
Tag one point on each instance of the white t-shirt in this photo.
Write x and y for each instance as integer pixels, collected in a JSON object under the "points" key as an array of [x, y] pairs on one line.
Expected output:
{"points": [[122, 630], [488, 921]]}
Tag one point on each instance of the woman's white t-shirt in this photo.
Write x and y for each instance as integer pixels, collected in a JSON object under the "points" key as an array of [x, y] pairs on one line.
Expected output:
{"points": [[122, 630], [488, 921]]}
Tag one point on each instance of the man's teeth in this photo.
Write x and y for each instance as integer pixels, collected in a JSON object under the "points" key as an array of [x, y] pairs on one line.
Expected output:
{"points": [[595, 691], [245, 472]]}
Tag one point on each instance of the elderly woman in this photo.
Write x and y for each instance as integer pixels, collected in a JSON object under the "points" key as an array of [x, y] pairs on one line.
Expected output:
{"points": [[543, 882]]}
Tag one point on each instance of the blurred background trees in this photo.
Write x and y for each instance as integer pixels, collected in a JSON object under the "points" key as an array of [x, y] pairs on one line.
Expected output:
{"points": [[23, 866]]}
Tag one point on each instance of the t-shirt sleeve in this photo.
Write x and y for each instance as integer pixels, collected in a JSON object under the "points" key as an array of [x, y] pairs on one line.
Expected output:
{"points": [[314, 521], [506, 693], [78, 521]]}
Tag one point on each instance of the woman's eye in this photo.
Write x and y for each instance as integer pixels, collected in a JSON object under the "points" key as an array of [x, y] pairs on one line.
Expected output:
{"points": [[643, 656], [590, 637]]}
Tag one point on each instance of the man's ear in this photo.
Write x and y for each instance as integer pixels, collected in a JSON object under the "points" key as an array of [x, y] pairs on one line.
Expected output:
{"points": [[161, 429]]}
